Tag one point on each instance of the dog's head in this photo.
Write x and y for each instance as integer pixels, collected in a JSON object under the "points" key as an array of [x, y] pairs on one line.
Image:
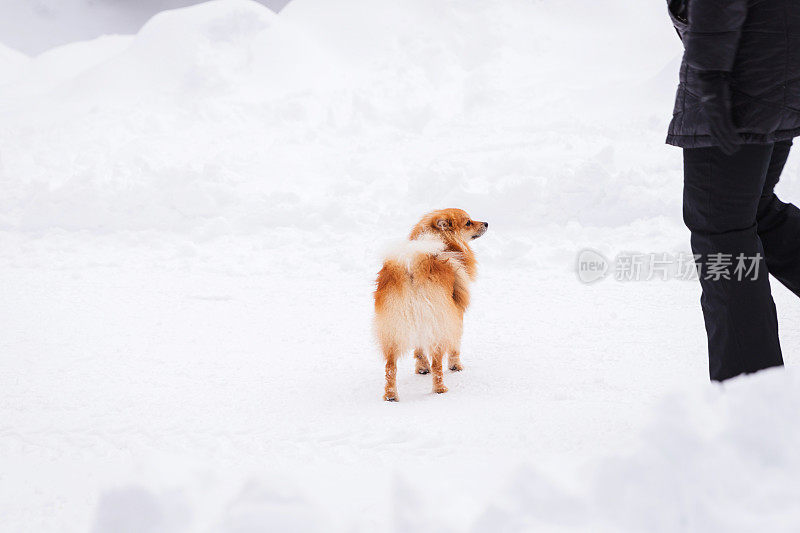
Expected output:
{"points": [[450, 224]]}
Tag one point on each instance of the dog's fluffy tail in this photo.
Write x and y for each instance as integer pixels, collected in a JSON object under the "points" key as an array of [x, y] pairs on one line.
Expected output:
{"points": [[406, 252]]}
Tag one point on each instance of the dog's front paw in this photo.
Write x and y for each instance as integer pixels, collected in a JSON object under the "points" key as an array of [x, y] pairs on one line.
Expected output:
{"points": [[439, 389], [390, 396], [456, 367], [423, 370]]}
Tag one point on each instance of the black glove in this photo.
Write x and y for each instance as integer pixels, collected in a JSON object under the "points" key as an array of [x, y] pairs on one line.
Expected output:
{"points": [[715, 97]]}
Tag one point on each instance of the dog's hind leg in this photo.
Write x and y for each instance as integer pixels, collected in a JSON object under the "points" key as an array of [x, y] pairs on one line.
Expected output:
{"points": [[454, 354], [421, 365], [437, 354], [390, 354], [454, 360]]}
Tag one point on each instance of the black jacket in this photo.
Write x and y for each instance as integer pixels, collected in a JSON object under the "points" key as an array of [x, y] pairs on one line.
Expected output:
{"points": [[758, 42]]}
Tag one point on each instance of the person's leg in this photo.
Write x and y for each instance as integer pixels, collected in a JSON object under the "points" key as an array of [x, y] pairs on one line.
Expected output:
{"points": [[720, 203], [779, 225]]}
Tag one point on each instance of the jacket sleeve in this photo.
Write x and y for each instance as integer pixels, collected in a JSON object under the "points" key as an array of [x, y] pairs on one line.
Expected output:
{"points": [[712, 37]]}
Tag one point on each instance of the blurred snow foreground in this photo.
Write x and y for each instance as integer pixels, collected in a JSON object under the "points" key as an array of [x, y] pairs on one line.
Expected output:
{"points": [[189, 226]]}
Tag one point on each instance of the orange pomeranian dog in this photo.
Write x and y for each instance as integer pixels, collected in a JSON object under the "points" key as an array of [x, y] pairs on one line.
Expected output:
{"points": [[422, 293]]}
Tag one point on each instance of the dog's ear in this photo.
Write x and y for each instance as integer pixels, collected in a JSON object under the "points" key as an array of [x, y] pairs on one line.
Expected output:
{"points": [[443, 223]]}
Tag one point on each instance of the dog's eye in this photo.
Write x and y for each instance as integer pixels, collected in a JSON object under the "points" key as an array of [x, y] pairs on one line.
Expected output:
{"points": [[469, 223]]}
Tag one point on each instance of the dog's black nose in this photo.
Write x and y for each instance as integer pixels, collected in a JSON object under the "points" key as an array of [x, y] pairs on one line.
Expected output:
{"points": [[486, 225]]}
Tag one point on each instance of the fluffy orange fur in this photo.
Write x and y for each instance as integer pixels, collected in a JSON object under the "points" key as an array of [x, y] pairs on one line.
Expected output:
{"points": [[422, 292]]}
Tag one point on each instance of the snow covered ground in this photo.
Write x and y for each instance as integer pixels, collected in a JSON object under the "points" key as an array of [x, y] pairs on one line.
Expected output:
{"points": [[191, 222]]}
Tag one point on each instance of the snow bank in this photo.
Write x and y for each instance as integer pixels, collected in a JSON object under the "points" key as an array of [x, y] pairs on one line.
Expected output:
{"points": [[207, 48], [51, 70], [223, 118], [36, 26], [11, 62], [722, 460]]}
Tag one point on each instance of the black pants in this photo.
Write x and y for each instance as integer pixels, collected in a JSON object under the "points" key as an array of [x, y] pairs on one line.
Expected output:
{"points": [[729, 204]]}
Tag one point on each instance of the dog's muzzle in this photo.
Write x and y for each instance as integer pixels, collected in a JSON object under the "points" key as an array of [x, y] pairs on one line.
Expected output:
{"points": [[482, 230]]}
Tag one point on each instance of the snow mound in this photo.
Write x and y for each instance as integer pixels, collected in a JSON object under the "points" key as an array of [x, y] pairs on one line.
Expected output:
{"points": [[50, 70], [213, 48], [722, 460], [225, 118], [189, 49], [11, 63]]}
